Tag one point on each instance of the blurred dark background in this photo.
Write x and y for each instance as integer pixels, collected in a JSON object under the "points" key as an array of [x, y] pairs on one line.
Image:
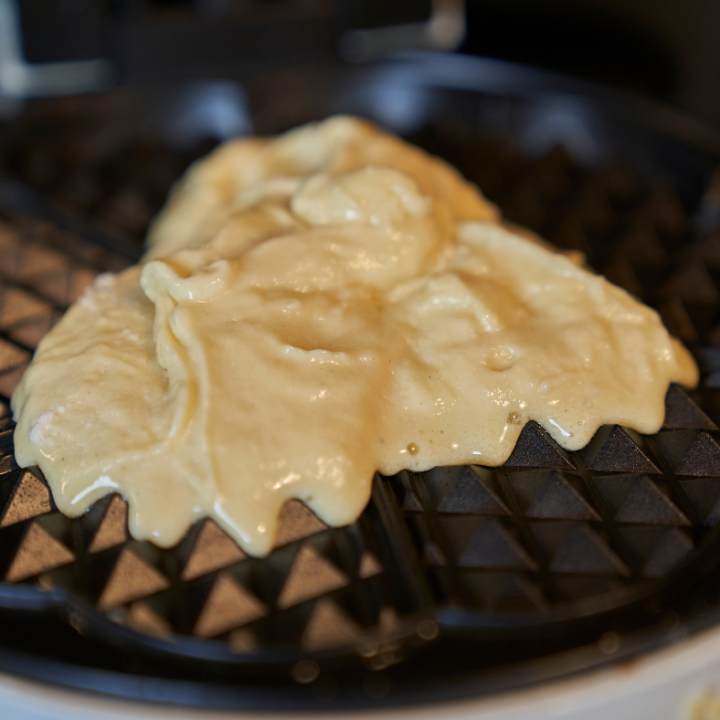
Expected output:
{"points": [[666, 49]]}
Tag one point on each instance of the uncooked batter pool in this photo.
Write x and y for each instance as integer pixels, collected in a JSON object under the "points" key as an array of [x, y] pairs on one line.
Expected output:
{"points": [[313, 309]]}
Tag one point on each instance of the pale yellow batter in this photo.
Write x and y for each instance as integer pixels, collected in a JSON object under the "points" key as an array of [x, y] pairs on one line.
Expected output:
{"points": [[315, 308]]}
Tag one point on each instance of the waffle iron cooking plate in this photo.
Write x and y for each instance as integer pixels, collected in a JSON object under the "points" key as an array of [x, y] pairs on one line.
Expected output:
{"points": [[455, 582]]}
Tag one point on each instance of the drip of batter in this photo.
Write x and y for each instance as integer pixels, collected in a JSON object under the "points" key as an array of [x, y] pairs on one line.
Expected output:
{"points": [[315, 308]]}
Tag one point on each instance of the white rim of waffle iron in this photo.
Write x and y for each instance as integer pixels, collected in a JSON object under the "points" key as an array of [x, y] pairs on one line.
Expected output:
{"points": [[661, 686]]}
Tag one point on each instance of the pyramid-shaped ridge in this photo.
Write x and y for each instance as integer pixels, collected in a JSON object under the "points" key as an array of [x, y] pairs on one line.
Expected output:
{"points": [[619, 453], [411, 502], [131, 578], [404, 491], [646, 503], [517, 594], [213, 549], [470, 494], [31, 331], [17, 306], [369, 566], [492, 546], [389, 624], [297, 522], [54, 284], [243, 641], [704, 496], [701, 457], [668, 554], [11, 355], [329, 627], [585, 552], [40, 260], [10, 380], [29, 498], [683, 413], [38, 552], [112, 530], [559, 500], [311, 575], [228, 605], [142, 618], [536, 449]]}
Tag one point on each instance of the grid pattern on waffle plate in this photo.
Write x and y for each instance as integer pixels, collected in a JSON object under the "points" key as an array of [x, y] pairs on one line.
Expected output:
{"points": [[548, 535]]}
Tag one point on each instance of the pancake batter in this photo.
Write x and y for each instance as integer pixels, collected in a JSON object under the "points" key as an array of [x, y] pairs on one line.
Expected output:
{"points": [[315, 308]]}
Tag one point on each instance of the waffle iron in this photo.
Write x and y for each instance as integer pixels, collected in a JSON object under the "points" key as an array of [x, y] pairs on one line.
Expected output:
{"points": [[454, 583]]}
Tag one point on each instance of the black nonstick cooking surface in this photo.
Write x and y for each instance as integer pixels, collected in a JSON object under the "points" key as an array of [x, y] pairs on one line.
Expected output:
{"points": [[458, 581]]}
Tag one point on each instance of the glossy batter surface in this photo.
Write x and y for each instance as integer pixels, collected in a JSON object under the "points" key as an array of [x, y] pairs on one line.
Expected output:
{"points": [[313, 309]]}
